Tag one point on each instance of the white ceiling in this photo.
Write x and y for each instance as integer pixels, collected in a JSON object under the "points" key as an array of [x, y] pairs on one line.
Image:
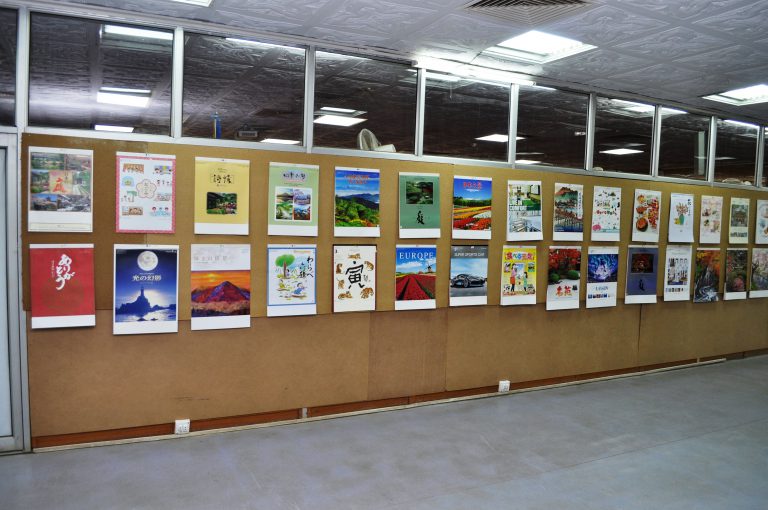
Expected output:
{"points": [[674, 50]]}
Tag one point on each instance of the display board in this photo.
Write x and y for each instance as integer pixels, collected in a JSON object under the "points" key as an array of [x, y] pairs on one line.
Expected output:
{"points": [[350, 357]]}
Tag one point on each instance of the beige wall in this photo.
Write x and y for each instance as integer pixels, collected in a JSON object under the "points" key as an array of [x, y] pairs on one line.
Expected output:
{"points": [[87, 379]]}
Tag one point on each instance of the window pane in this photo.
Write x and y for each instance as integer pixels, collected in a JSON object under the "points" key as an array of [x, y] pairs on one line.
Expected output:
{"points": [[85, 73], [553, 126], [460, 111], [623, 134], [735, 152], [7, 66], [256, 89], [684, 140], [765, 160], [353, 93]]}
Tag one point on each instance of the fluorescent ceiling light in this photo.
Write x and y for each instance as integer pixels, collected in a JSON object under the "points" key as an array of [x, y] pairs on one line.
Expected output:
{"points": [[252, 43], [338, 120], [138, 32], [125, 91], [497, 138], [649, 109], [199, 3], [621, 152], [526, 162], [538, 47], [744, 96], [281, 141], [443, 77], [118, 129], [741, 124], [122, 99], [494, 138], [337, 110]]}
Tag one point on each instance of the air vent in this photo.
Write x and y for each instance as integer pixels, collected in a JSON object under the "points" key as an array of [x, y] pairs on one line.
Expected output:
{"points": [[528, 12]]}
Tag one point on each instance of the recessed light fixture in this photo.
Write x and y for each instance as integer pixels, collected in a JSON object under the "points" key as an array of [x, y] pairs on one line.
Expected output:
{"points": [[138, 32], [526, 162], [338, 110], [621, 152], [281, 141], [252, 43], [538, 48], [120, 90], [497, 138], [136, 98], [741, 124], [443, 77], [744, 96], [338, 120], [117, 129], [199, 3]]}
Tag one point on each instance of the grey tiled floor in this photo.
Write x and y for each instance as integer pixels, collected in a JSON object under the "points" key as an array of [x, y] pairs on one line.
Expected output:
{"points": [[687, 439]]}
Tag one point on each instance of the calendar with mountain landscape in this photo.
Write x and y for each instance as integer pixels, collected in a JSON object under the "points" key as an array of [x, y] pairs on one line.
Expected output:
{"points": [[356, 202]]}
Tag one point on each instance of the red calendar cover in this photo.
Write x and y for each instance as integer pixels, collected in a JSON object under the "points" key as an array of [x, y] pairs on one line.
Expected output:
{"points": [[62, 285]]}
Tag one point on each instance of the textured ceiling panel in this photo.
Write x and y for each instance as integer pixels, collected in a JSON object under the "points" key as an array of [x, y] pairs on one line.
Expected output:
{"points": [[682, 9], [671, 44], [748, 22], [606, 26]]}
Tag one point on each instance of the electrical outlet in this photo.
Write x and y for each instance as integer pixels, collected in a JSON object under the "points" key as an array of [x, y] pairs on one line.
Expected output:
{"points": [[503, 386], [182, 427]]}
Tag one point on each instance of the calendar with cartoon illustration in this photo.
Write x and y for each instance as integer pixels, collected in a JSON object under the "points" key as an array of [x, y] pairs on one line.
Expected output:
{"points": [[146, 193]]}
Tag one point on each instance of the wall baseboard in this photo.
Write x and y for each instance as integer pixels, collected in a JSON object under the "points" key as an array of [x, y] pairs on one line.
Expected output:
{"points": [[231, 423]]}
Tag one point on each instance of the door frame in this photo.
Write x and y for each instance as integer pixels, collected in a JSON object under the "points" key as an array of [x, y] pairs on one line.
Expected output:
{"points": [[17, 338]]}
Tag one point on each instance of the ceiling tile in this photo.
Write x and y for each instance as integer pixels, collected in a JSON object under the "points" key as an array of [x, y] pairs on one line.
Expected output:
{"points": [[596, 63], [681, 9], [606, 26], [465, 34], [727, 59], [748, 22], [343, 37], [673, 43], [376, 17]]}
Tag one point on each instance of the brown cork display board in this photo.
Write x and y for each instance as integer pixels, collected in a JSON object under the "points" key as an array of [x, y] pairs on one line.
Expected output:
{"points": [[86, 379]]}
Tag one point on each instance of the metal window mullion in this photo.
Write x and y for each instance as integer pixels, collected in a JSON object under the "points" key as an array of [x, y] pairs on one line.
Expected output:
{"points": [[22, 69], [760, 156], [309, 98], [589, 149], [711, 149], [656, 141], [514, 98], [177, 83], [421, 99]]}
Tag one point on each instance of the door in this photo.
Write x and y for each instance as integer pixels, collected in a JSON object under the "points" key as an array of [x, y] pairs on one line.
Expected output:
{"points": [[12, 416]]}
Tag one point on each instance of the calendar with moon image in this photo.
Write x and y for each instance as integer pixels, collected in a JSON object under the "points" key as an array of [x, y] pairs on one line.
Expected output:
{"points": [[145, 289]]}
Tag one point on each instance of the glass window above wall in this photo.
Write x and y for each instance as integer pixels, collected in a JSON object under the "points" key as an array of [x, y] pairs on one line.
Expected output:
{"points": [[551, 127], [366, 104], [735, 152], [7, 66], [765, 159], [466, 118], [623, 134], [254, 90], [87, 74], [684, 141]]}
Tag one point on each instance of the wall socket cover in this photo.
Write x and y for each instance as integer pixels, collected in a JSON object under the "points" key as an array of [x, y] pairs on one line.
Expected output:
{"points": [[503, 386], [181, 427]]}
